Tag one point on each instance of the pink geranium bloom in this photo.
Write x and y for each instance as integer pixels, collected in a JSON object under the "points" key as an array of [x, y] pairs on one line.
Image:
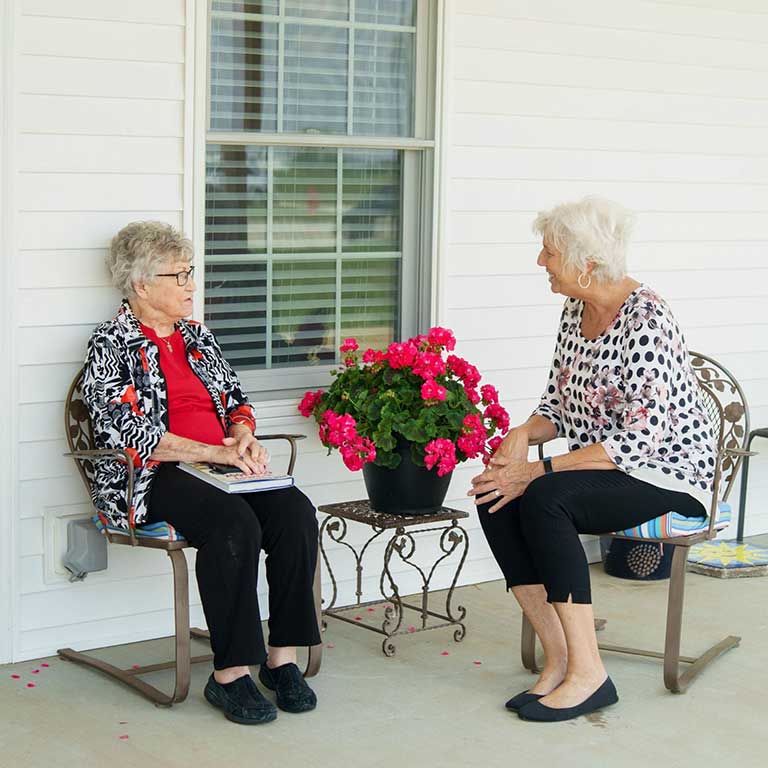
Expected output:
{"points": [[472, 394], [489, 393], [499, 415], [401, 355], [372, 356], [473, 423], [441, 337], [431, 391], [428, 365], [493, 446], [472, 440], [471, 376], [441, 453], [456, 365], [349, 345], [308, 402]]}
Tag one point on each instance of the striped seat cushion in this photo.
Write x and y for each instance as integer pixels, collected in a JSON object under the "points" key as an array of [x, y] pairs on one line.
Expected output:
{"points": [[162, 531], [674, 524]]}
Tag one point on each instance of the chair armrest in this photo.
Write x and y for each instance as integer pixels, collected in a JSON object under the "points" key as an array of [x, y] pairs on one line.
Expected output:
{"points": [[111, 454], [739, 452], [292, 440]]}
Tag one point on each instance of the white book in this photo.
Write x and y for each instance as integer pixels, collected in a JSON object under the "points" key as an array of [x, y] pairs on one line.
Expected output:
{"points": [[233, 479]]}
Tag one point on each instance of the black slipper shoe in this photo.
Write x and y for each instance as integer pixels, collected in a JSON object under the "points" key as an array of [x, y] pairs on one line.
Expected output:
{"points": [[291, 689], [241, 701], [526, 697], [604, 696]]}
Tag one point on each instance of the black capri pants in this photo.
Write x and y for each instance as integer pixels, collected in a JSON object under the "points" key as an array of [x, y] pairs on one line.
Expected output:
{"points": [[535, 537], [228, 531]]}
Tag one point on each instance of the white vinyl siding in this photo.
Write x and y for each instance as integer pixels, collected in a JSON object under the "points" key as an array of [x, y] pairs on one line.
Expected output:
{"points": [[659, 105], [99, 121]]}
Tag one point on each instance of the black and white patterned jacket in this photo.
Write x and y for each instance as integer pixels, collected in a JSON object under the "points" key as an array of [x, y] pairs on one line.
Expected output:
{"points": [[126, 394]]}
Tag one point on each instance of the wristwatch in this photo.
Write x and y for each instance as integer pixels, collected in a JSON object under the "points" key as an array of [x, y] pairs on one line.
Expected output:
{"points": [[547, 461]]}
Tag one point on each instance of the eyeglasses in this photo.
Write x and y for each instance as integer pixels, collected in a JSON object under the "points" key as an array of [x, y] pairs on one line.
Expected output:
{"points": [[182, 278]]}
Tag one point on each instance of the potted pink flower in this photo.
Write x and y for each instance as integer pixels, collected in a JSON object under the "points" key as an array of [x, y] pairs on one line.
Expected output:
{"points": [[407, 416]]}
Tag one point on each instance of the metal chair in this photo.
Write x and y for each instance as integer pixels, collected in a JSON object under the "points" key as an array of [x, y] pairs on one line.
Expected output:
{"points": [[79, 434], [763, 432], [726, 406]]}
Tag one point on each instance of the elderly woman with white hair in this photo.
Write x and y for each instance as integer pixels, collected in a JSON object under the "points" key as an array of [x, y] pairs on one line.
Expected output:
{"points": [[156, 384], [621, 390]]}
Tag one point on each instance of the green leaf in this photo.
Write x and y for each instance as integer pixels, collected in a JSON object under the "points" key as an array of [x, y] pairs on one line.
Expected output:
{"points": [[414, 432], [387, 459]]}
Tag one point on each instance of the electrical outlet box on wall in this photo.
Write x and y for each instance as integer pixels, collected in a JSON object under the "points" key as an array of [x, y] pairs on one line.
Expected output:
{"points": [[55, 524]]}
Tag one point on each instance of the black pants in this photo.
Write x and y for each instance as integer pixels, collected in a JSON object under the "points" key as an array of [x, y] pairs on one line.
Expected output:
{"points": [[535, 538], [228, 531]]}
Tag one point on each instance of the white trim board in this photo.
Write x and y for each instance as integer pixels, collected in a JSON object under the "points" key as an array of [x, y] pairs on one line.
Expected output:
{"points": [[8, 560]]}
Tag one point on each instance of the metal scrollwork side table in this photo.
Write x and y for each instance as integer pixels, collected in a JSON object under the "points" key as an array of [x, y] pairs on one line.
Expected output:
{"points": [[453, 538]]}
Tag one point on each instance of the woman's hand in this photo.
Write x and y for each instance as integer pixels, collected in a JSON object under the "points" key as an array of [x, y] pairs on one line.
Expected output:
{"points": [[513, 448], [504, 480], [515, 444], [241, 449]]}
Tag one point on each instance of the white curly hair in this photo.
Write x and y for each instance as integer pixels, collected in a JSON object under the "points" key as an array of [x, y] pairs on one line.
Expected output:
{"points": [[143, 248], [590, 230]]}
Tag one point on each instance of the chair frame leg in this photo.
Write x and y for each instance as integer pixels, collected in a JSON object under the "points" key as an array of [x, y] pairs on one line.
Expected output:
{"points": [[675, 680], [182, 664], [528, 643], [183, 659], [315, 652], [528, 646]]}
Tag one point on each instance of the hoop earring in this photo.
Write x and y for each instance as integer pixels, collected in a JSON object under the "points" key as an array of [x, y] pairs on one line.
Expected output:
{"points": [[589, 281]]}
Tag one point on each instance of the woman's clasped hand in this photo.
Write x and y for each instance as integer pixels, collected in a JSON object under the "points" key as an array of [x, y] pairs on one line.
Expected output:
{"points": [[508, 475], [242, 449]]}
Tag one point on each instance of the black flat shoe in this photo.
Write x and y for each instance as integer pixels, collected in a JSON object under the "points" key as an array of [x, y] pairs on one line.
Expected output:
{"points": [[293, 693], [526, 697], [604, 696], [241, 701]]}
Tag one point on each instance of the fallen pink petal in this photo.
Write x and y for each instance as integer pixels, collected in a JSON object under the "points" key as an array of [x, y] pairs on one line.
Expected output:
{"points": [[135, 666], [445, 653], [45, 665], [358, 618], [371, 609], [477, 662], [16, 677], [124, 736], [35, 671], [411, 628], [30, 685]]}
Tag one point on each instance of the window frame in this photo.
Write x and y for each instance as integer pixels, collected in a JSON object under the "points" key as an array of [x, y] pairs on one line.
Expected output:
{"points": [[418, 193]]}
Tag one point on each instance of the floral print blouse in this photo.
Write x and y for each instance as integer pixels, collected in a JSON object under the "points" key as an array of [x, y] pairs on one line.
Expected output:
{"points": [[633, 389]]}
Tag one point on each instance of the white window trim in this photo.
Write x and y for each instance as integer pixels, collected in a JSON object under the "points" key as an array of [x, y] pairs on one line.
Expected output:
{"points": [[418, 288]]}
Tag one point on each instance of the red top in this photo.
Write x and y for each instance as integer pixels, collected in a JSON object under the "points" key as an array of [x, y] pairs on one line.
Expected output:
{"points": [[191, 412]]}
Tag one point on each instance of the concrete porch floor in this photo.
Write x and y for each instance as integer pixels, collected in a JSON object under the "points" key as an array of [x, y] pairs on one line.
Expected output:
{"points": [[423, 708]]}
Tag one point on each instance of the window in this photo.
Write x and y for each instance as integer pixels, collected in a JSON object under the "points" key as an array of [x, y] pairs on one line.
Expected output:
{"points": [[318, 152]]}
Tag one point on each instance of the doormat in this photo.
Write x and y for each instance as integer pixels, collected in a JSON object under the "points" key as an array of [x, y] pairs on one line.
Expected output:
{"points": [[728, 559]]}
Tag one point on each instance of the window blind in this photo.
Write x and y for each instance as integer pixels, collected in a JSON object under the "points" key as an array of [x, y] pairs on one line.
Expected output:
{"points": [[303, 244]]}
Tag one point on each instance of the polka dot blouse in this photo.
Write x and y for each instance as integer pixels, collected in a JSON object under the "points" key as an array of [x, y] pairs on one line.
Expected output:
{"points": [[633, 390]]}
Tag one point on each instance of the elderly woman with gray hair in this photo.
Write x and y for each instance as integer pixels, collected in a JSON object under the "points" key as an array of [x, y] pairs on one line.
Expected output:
{"points": [[621, 390], [156, 384]]}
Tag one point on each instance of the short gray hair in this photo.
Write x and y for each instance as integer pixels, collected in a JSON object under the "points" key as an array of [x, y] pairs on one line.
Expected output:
{"points": [[140, 249], [592, 229]]}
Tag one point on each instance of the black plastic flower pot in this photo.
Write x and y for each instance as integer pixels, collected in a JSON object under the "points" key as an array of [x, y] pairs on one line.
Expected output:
{"points": [[406, 490]]}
